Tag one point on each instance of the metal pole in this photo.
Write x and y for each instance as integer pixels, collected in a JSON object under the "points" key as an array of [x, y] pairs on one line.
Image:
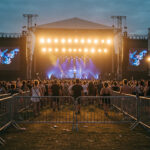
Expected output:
{"points": [[149, 51]]}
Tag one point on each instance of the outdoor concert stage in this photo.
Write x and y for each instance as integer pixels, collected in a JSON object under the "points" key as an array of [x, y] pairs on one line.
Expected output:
{"points": [[73, 48]]}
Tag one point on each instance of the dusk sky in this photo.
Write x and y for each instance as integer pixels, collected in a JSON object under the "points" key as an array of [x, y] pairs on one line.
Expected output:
{"points": [[137, 12]]}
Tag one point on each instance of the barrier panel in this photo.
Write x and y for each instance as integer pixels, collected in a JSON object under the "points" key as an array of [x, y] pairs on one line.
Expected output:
{"points": [[66, 109], [46, 109], [144, 114], [105, 109], [7, 112], [142, 108], [4, 95]]}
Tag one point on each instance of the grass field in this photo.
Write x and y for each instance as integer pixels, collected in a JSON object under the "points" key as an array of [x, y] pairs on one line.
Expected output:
{"points": [[50, 136], [89, 137]]}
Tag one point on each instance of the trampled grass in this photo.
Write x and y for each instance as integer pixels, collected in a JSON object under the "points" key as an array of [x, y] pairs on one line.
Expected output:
{"points": [[55, 136]]}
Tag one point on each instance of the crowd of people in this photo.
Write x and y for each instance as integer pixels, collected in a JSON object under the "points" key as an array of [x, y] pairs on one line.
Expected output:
{"points": [[68, 87], [75, 88]]}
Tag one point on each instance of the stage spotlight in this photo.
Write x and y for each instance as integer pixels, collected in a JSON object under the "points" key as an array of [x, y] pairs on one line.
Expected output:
{"points": [[82, 41], [148, 59], [56, 40], [105, 50], [56, 49], [50, 49], [108, 41], [80, 50], [63, 41], [43, 49], [63, 50], [99, 50], [92, 50], [49, 40], [89, 41], [70, 50], [95, 41], [85, 50], [76, 40], [69, 40], [74, 50], [102, 41], [42, 40]]}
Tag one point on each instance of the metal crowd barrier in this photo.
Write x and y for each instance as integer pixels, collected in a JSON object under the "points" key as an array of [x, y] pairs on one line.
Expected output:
{"points": [[142, 108], [144, 112], [44, 109], [105, 109], [7, 112], [66, 109], [4, 95]]}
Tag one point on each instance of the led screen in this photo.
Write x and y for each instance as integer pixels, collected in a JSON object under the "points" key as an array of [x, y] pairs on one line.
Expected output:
{"points": [[137, 59], [9, 58]]}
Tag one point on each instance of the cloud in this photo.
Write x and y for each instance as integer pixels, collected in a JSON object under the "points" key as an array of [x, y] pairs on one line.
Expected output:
{"points": [[137, 12]]}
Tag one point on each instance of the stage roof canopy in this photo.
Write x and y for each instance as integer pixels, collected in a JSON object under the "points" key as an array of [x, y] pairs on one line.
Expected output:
{"points": [[74, 23]]}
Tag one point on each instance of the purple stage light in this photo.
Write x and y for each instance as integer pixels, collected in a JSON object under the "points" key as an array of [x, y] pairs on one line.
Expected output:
{"points": [[71, 67]]}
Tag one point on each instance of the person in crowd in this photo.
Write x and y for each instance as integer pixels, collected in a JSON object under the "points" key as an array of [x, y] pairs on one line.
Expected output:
{"points": [[142, 88], [91, 89], [18, 84], [56, 91], [125, 88], [46, 89], [147, 89], [85, 90], [99, 87], [13, 89], [42, 91], [77, 90], [65, 89], [2, 89], [24, 86], [115, 87], [71, 83], [36, 98], [106, 91]]}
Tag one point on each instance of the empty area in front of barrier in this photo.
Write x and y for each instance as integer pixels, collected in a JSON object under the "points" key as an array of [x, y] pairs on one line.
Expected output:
{"points": [[68, 110], [90, 136], [49, 110], [111, 109], [60, 136]]}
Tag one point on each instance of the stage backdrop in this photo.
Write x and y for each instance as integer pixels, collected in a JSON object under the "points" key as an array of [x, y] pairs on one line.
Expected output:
{"points": [[60, 49]]}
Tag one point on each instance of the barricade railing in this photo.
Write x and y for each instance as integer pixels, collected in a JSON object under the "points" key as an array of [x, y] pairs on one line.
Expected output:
{"points": [[4, 95], [66, 109], [44, 109], [143, 110], [6, 113], [105, 109]]}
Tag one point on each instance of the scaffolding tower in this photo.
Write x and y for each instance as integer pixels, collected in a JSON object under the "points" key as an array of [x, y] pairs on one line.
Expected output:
{"points": [[29, 41], [119, 25]]}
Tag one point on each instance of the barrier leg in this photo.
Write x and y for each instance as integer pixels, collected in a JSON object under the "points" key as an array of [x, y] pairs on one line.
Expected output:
{"points": [[15, 125], [76, 122], [14, 110], [73, 124], [134, 125], [2, 141], [138, 114]]}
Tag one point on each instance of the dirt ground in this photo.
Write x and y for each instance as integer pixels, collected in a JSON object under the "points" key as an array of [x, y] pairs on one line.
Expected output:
{"points": [[40, 136], [89, 137]]}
